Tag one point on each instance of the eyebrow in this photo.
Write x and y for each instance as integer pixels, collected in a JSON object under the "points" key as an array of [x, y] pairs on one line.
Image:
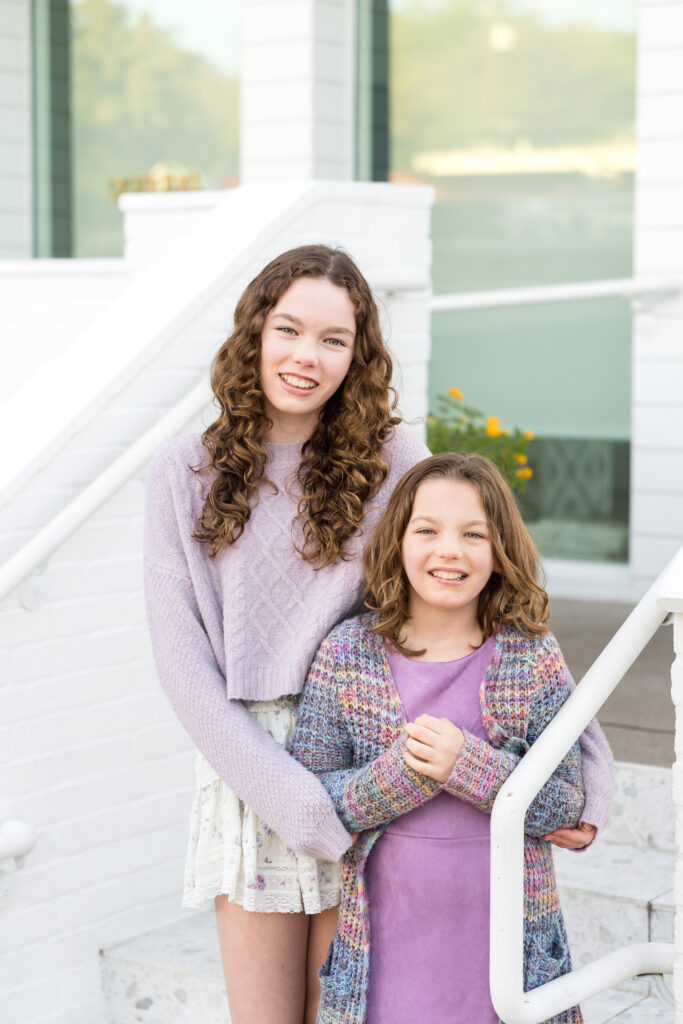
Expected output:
{"points": [[429, 519], [337, 330]]}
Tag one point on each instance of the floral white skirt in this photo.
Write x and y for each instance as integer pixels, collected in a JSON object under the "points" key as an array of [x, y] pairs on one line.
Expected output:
{"points": [[232, 851]]}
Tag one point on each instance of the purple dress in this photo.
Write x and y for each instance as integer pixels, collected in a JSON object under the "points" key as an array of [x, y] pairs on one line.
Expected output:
{"points": [[428, 875]]}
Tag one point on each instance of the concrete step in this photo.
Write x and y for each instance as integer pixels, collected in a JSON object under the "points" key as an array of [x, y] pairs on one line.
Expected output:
{"points": [[613, 894], [169, 976], [642, 807], [617, 1007]]}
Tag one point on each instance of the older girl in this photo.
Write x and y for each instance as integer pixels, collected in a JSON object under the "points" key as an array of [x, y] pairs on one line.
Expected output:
{"points": [[254, 535]]}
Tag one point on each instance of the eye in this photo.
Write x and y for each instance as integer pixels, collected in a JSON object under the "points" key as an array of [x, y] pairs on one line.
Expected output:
{"points": [[425, 529], [336, 342], [286, 330], [473, 533]]}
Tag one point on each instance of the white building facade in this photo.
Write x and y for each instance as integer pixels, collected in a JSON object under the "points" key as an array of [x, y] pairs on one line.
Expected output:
{"points": [[97, 351]]}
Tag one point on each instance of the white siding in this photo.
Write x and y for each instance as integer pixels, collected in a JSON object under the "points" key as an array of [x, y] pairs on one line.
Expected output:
{"points": [[657, 435], [43, 305], [297, 87], [16, 230]]}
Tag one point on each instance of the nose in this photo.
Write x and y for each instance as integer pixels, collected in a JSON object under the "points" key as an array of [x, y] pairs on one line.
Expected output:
{"points": [[306, 352], [450, 547]]}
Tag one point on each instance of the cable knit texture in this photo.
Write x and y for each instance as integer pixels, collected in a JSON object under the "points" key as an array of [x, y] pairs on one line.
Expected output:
{"points": [[350, 733], [246, 626]]}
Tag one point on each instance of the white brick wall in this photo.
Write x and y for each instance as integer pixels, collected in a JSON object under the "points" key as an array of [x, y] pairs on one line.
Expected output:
{"points": [[16, 226], [90, 753], [657, 428], [297, 88], [43, 304]]}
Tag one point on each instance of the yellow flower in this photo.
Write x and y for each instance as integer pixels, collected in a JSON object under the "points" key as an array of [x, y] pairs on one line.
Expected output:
{"points": [[529, 435], [454, 393], [525, 473], [518, 457], [431, 421], [493, 426]]}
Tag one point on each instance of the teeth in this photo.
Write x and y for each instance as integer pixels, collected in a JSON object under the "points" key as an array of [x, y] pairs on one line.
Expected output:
{"points": [[443, 575], [298, 382]]}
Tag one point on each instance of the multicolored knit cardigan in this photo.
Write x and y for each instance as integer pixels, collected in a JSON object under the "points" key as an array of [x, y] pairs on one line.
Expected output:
{"points": [[350, 732]]}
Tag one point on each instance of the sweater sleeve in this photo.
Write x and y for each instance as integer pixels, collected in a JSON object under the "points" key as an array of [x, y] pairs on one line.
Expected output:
{"points": [[597, 767], [364, 796], [480, 769], [288, 798]]}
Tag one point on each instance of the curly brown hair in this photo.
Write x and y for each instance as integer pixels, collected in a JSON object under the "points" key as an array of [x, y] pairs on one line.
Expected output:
{"points": [[342, 465], [512, 595]]}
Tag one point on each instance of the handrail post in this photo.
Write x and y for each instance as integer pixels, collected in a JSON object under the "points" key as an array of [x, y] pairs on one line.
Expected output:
{"points": [[677, 697], [671, 600]]}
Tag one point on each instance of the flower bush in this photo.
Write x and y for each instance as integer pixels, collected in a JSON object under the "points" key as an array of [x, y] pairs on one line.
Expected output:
{"points": [[460, 428]]}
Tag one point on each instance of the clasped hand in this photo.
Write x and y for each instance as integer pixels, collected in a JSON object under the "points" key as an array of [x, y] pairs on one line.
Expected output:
{"points": [[432, 746]]}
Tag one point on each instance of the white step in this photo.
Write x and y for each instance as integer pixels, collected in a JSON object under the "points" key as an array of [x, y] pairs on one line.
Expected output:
{"points": [[617, 1007], [613, 894], [642, 807], [169, 976]]}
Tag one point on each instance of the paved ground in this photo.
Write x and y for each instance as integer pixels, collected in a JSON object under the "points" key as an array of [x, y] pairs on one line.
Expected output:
{"points": [[638, 718]]}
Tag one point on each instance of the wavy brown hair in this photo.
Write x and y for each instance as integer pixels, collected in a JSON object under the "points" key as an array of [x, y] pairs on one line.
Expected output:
{"points": [[512, 595], [342, 465]]}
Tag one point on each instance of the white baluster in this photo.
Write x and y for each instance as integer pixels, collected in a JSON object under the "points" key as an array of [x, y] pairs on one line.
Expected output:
{"points": [[671, 600], [677, 696]]}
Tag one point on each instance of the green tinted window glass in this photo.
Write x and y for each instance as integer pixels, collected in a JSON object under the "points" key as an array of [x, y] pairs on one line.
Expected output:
{"points": [[521, 114], [154, 99]]}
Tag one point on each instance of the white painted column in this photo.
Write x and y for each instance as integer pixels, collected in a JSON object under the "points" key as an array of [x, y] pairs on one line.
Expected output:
{"points": [[297, 90], [671, 600], [657, 426], [677, 696], [16, 217]]}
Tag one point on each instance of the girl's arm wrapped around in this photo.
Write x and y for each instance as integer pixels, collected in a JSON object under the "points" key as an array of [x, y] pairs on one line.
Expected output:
{"points": [[262, 773], [480, 769], [365, 795]]}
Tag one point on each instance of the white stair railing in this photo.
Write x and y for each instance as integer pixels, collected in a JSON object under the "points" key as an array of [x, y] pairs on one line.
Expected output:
{"points": [[17, 838], [637, 290], [507, 825]]}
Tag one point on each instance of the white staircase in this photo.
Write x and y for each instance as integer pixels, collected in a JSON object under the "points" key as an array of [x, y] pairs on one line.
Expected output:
{"points": [[618, 891]]}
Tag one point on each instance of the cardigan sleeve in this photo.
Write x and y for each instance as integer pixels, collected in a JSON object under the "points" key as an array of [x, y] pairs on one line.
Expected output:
{"points": [[365, 796], [597, 768], [288, 798], [480, 769]]}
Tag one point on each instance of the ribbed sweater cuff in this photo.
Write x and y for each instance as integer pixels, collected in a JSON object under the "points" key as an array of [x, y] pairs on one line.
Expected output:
{"points": [[596, 811], [330, 840], [475, 771]]}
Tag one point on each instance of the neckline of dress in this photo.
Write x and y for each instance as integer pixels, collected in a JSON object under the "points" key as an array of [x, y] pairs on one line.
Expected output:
{"points": [[453, 661]]}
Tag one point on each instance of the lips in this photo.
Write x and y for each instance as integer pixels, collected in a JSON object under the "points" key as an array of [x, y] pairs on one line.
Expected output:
{"points": [[294, 380], [448, 575]]}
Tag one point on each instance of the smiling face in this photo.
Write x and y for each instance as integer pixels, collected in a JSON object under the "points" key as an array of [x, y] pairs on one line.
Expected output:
{"points": [[447, 553], [306, 350]]}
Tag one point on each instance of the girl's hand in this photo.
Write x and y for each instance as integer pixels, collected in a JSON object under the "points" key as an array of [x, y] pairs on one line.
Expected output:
{"points": [[572, 838], [433, 745]]}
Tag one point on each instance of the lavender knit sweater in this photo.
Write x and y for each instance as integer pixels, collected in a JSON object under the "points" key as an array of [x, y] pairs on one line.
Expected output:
{"points": [[246, 626]]}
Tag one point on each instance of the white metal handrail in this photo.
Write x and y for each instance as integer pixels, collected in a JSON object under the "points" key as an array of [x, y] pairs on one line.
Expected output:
{"points": [[622, 288], [507, 832], [36, 551], [17, 838]]}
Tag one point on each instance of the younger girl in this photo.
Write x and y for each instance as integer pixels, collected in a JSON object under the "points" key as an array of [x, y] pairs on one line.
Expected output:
{"points": [[458, 646]]}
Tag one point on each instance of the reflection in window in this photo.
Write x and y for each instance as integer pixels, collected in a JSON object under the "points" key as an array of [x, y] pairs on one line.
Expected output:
{"points": [[154, 101], [521, 114]]}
